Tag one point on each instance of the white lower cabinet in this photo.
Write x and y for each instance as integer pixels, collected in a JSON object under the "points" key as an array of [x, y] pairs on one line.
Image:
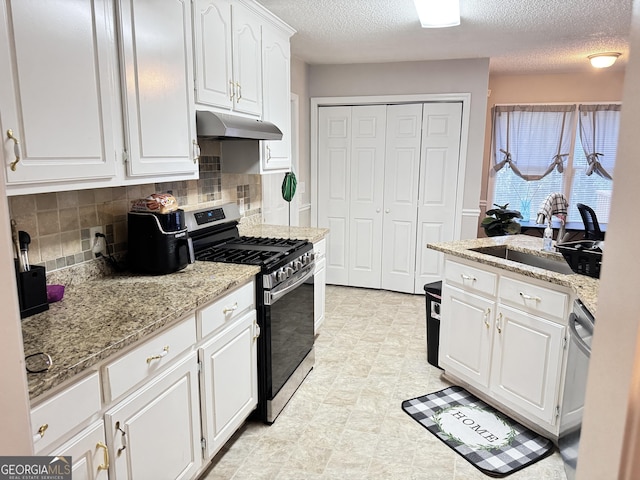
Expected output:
{"points": [[229, 381], [155, 432], [169, 402], [89, 454], [466, 335], [526, 363], [505, 335], [319, 283]]}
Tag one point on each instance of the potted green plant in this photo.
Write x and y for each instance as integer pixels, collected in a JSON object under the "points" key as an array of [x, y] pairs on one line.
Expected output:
{"points": [[501, 221]]}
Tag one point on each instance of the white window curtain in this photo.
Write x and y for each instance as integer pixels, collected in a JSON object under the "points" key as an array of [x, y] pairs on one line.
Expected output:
{"points": [[532, 140], [598, 123]]}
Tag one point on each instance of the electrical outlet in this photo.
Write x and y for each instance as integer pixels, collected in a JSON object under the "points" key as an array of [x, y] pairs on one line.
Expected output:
{"points": [[98, 243], [93, 231]]}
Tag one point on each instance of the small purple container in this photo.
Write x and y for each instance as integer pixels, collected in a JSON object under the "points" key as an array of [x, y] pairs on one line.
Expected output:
{"points": [[55, 293]]}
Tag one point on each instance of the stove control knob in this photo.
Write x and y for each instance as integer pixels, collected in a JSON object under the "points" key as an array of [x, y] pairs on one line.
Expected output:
{"points": [[290, 271], [297, 265], [281, 275]]}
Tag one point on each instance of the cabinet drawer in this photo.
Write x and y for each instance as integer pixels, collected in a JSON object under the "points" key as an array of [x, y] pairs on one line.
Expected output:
{"points": [[214, 316], [64, 411], [470, 278], [145, 360], [533, 298]]}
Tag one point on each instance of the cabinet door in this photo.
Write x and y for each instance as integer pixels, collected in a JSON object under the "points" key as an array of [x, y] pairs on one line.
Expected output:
{"points": [[157, 70], [441, 126], [319, 293], [59, 90], [88, 450], [367, 164], [402, 167], [527, 361], [247, 60], [466, 335], [334, 179], [155, 432], [229, 382], [212, 34], [277, 98]]}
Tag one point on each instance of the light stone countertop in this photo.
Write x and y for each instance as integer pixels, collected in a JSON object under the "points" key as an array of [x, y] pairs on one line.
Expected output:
{"points": [[586, 288], [311, 234], [99, 317]]}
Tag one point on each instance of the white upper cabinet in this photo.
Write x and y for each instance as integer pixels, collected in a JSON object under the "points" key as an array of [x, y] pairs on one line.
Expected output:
{"points": [[75, 109], [228, 56], [213, 64], [276, 84], [247, 55], [157, 76], [59, 91]]}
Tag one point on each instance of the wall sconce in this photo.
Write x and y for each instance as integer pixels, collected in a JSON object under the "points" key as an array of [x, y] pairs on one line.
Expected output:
{"points": [[438, 13], [603, 60]]}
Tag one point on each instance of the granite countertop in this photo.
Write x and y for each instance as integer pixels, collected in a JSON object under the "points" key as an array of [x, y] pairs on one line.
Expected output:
{"points": [[99, 317], [282, 231], [586, 288]]}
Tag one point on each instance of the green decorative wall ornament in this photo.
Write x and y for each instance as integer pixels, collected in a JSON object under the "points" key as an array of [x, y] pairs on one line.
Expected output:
{"points": [[289, 186]]}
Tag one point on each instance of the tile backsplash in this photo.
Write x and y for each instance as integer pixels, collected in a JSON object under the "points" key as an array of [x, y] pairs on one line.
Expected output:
{"points": [[59, 223]]}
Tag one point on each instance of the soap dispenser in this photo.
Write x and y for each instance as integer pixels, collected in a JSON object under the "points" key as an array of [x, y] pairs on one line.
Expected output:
{"points": [[547, 238]]}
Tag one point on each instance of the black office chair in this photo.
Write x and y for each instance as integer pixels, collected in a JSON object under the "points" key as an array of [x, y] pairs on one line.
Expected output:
{"points": [[591, 226]]}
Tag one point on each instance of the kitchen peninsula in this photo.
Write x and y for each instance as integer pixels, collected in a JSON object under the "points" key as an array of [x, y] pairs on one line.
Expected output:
{"points": [[505, 328]]}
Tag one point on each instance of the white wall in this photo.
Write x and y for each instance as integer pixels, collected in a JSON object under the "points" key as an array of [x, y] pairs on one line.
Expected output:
{"points": [[613, 389], [300, 86], [406, 78]]}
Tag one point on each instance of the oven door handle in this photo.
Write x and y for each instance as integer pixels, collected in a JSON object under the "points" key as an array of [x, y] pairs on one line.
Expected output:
{"points": [[274, 295]]}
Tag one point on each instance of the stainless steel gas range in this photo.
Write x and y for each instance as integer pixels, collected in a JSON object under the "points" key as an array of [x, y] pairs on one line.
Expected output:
{"points": [[284, 299]]}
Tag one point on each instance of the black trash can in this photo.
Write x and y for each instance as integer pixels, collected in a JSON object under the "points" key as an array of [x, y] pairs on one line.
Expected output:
{"points": [[433, 294]]}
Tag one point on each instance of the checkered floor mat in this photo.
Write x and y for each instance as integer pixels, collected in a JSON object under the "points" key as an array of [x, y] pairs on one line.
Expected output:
{"points": [[489, 440]]}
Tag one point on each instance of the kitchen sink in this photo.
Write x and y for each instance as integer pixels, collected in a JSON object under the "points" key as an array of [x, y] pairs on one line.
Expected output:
{"points": [[502, 251]]}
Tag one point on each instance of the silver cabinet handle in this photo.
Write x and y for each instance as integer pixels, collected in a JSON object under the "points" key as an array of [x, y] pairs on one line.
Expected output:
{"points": [[529, 297], [468, 277], [232, 90], [196, 151], [239, 87], [499, 323]]}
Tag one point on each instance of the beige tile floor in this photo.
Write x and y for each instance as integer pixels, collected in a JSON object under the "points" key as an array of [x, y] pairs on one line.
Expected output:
{"points": [[345, 421]]}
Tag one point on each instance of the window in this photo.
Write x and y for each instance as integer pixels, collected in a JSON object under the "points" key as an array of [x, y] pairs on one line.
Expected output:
{"points": [[542, 149]]}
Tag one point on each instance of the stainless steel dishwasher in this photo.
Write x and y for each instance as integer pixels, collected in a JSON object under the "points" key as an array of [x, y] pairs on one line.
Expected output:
{"points": [[581, 324]]}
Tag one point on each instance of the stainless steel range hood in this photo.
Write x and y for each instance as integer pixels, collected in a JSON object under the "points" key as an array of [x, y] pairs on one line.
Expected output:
{"points": [[225, 126]]}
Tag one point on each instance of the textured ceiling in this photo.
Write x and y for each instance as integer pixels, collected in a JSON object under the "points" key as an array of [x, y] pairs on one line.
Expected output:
{"points": [[519, 36]]}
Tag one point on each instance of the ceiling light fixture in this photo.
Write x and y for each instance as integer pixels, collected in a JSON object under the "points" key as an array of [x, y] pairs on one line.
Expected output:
{"points": [[438, 13], [603, 60]]}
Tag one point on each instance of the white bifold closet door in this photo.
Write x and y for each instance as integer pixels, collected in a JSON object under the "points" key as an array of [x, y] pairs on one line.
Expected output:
{"points": [[441, 130], [370, 184]]}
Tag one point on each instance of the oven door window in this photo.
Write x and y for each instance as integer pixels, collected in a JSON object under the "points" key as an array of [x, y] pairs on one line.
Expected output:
{"points": [[290, 319]]}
